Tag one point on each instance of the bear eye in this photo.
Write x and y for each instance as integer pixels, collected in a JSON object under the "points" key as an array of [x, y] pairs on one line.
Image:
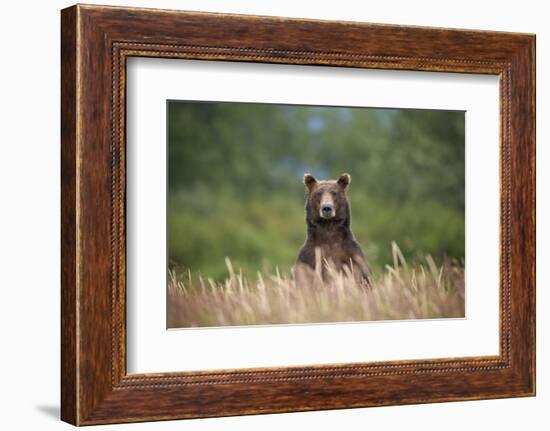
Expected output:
{"points": [[315, 197]]}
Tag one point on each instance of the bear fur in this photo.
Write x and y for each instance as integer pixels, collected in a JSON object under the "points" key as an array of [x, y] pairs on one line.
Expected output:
{"points": [[329, 236]]}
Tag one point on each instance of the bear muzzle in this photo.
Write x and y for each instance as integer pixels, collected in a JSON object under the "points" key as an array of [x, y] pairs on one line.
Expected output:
{"points": [[327, 211], [326, 208]]}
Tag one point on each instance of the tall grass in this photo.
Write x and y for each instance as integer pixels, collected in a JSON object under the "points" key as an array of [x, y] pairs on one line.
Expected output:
{"points": [[400, 292]]}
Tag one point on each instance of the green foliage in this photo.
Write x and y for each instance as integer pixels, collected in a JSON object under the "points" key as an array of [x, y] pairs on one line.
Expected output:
{"points": [[235, 181]]}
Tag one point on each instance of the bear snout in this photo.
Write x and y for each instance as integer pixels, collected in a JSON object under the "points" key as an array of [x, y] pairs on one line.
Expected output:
{"points": [[327, 211], [327, 206]]}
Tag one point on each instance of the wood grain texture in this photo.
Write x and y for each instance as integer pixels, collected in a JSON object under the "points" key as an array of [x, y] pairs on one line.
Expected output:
{"points": [[96, 41], [68, 218]]}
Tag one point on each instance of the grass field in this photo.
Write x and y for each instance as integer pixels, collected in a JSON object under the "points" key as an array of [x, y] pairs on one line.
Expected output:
{"points": [[400, 292]]}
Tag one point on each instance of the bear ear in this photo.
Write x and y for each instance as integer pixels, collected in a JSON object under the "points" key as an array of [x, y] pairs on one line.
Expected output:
{"points": [[344, 180], [310, 182]]}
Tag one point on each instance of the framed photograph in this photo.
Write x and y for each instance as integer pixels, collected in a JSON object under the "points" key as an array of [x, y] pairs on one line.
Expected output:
{"points": [[264, 214]]}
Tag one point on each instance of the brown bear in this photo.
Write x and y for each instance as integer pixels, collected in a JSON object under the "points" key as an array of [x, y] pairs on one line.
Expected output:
{"points": [[328, 219]]}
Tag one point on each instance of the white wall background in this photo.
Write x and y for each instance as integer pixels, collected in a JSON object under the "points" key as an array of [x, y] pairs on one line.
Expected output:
{"points": [[29, 214]]}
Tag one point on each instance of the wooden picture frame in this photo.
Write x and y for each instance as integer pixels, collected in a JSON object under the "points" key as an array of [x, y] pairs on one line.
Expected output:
{"points": [[95, 43]]}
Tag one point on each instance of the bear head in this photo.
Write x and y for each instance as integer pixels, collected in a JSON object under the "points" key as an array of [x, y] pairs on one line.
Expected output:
{"points": [[326, 201]]}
